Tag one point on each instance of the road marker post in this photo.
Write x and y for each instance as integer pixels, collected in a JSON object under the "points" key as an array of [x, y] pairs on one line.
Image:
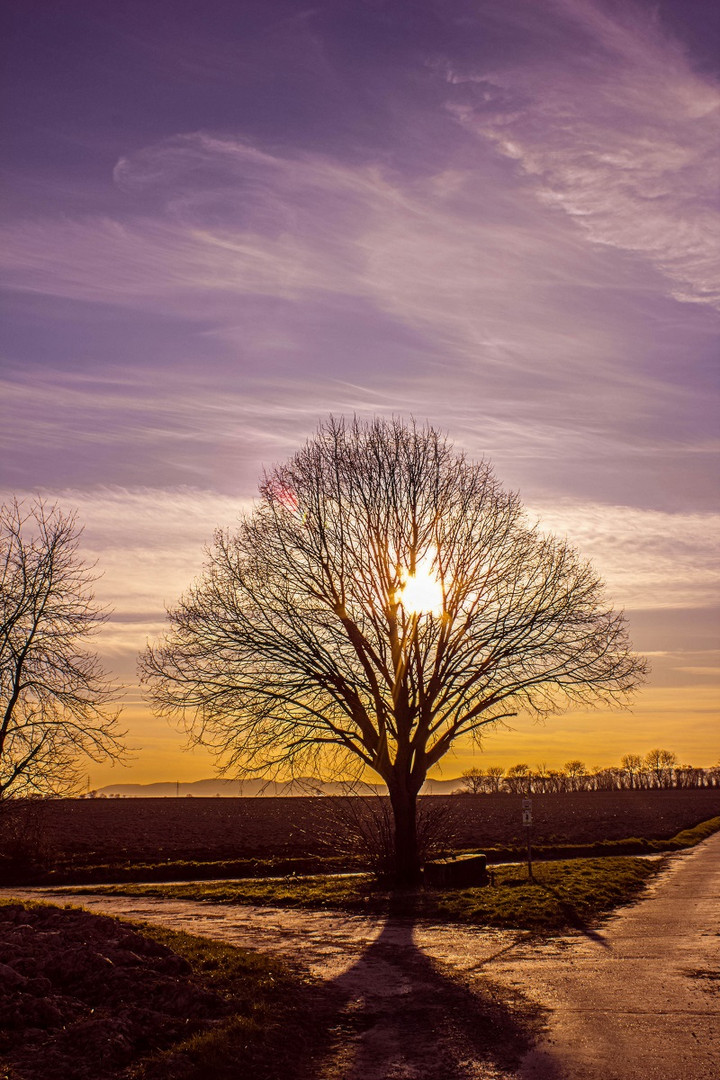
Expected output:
{"points": [[527, 825]]}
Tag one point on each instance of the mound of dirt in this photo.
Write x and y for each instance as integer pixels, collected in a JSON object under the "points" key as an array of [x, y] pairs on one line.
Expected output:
{"points": [[82, 996]]}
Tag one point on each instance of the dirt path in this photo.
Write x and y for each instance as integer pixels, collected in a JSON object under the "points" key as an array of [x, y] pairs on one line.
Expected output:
{"points": [[639, 999], [387, 1010]]}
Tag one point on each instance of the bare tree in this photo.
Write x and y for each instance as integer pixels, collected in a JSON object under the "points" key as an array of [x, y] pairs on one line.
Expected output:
{"points": [[687, 776], [540, 779], [472, 782], [632, 765], [575, 771], [608, 778], [495, 774], [361, 827], [53, 693], [385, 598], [661, 764], [518, 778]]}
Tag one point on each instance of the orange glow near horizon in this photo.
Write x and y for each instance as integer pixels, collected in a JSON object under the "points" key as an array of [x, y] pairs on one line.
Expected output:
{"points": [[598, 737]]}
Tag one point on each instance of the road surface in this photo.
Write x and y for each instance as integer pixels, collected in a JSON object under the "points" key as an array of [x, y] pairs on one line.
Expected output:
{"points": [[638, 999]]}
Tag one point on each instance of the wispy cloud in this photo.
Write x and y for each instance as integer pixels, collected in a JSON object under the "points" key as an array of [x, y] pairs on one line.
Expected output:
{"points": [[622, 135], [352, 244], [552, 354], [149, 545], [651, 560], [482, 215], [168, 428]]}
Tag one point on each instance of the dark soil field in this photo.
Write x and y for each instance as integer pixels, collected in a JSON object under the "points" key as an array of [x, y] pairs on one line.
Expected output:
{"points": [[94, 832], [86, 997]]}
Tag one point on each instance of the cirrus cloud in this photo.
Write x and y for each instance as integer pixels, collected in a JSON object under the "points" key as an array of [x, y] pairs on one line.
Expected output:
{"points": [[623, 137]]}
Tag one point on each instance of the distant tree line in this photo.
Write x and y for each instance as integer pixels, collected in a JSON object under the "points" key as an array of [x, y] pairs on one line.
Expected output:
{"points": [[657, 769]]}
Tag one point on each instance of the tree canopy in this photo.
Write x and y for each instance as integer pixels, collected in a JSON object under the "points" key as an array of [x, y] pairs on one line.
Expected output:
{"points": [[384, 598]]}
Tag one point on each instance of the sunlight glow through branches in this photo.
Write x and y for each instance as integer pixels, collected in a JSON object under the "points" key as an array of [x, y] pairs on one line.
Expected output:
{"points": [[422, 592]]}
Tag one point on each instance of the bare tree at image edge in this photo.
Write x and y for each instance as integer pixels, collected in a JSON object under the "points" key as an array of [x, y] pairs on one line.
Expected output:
{"points": [[54, 693], [384, 598]]}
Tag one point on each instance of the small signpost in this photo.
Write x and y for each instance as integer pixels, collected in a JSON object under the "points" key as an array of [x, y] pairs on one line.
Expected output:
{"points": [[527, 825]]}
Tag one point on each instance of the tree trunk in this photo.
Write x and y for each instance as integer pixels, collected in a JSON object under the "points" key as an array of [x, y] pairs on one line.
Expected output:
{"points": [[407, 859]]}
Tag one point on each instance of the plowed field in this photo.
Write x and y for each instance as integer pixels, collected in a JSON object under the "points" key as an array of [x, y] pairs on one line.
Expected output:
{"points": [[110, 830]]}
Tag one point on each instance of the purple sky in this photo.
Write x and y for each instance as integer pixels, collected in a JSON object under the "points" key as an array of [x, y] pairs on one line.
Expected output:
{"points": [[223, 221]]}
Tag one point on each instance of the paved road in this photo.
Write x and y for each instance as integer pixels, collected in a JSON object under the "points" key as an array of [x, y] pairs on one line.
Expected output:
{"points": [[640, 1000], [637, 1000]]}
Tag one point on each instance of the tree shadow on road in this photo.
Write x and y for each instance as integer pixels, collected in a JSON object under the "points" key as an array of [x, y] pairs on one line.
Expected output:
{"points": [[572, 917], [396, 1013]]}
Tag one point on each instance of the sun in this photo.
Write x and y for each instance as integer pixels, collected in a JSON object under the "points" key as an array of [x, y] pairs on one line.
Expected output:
{"points": [[422, 592]]}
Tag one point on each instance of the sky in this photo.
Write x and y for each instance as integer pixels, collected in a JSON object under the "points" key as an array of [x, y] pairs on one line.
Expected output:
{"points": [[224, 221]]}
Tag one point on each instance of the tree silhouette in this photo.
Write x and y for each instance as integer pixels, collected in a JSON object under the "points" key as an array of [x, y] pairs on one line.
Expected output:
{"points": [[473, 781], [53, 692], [575, 771], [517, 778], [495, 774], [632, 767], [385, 598], [661, 763]]}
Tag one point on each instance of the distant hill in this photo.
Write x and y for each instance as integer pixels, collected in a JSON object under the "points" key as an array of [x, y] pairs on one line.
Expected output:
{"points": [[259, 788]]}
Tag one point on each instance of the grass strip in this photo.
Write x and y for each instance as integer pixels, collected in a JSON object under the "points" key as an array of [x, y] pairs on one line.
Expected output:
{"points": [[632, 845], [193, 870], [267, 1030], [567, 893], [689, 837]]}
